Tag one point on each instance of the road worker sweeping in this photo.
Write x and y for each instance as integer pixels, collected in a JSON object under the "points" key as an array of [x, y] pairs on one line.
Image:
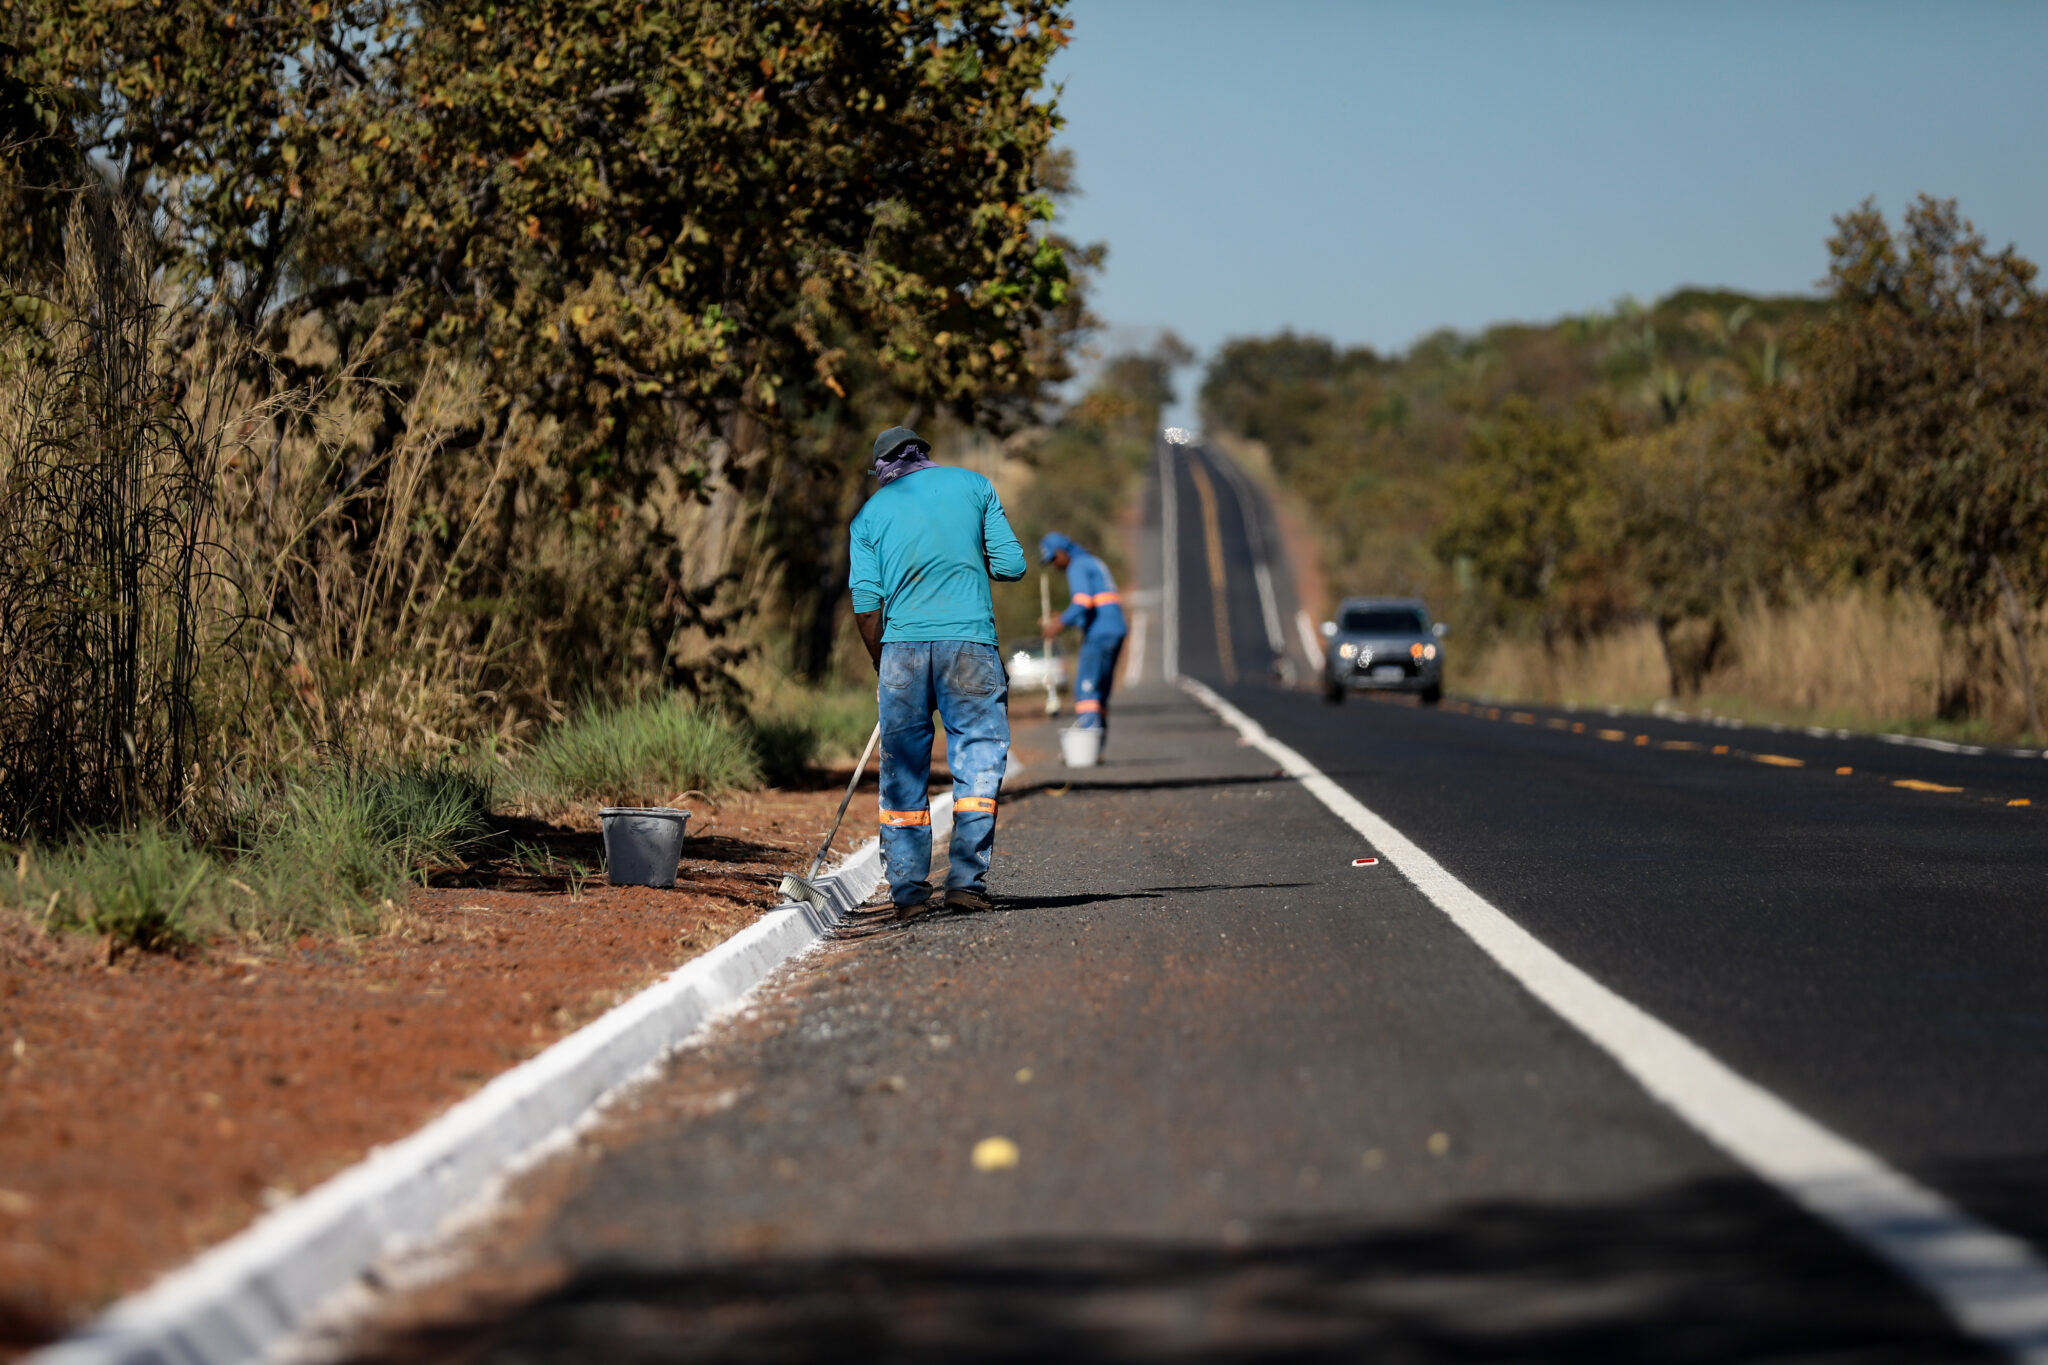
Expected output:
{"points": [[924, 549], [1096, 609]]}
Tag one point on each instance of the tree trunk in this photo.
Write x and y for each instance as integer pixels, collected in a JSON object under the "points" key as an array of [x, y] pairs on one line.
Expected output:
{"points": [[1665, 625], [2016, 622]]}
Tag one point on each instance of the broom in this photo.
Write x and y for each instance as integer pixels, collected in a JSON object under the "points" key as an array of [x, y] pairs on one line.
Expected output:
{"points": [[804, 888]]}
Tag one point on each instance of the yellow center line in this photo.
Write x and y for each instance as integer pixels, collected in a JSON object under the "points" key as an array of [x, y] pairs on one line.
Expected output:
{"points": [[1212, 531], [1913, 784]]}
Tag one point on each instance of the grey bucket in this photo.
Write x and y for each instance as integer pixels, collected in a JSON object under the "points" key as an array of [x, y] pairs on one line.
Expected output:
{"points": [[643, 844]]}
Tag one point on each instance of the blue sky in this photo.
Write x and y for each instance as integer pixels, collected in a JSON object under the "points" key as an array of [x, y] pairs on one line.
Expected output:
{"points": [[1373, 172]]}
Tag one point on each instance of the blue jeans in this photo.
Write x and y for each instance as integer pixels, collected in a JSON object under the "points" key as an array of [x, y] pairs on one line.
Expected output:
{"points": [[966, 684], [1094, 675]]}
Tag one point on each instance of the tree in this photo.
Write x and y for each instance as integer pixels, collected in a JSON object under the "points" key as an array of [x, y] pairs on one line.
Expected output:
{"points": [[39, 169], [690, 249], [1533, 521], [1278, 389], [208, 115], [1919, 427], [1701, 520]]}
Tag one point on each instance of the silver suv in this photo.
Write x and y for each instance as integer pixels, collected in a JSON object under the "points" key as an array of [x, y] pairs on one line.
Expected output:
{"points": [[1384, 644]]}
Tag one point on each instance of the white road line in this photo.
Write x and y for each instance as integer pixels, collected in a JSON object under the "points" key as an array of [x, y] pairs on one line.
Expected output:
{"points": [[1255, 534], [1276, 638], [1991, 1283], [1169, 572], [1311, 643], [1134, 662]]}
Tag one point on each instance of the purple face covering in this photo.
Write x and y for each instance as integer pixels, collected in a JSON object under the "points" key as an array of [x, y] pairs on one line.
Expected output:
{"points": [[907, 458]]}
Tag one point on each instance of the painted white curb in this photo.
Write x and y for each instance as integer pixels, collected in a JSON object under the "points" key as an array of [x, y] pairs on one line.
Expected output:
{"points": [[234, 1301]]}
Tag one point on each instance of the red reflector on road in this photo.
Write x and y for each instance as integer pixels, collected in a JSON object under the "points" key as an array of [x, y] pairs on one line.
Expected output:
{"points": [[1365, 862]]}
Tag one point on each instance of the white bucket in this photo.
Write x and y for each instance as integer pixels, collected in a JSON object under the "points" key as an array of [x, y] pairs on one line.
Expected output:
{"points": [[1080, 748], [643, 845]]}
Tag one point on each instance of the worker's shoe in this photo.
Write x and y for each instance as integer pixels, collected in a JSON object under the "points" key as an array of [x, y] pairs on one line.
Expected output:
{"points": [[910, 910], [965, 900]]}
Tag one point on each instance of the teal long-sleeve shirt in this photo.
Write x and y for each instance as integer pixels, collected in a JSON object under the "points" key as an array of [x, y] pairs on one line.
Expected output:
{"points": [[924, 549]]}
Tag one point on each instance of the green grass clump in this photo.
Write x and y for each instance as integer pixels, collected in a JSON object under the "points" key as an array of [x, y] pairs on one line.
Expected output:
{"points": [[316, 850], [150, 888], [325, 848], [786, 749], [795, 729], [639, 753]]}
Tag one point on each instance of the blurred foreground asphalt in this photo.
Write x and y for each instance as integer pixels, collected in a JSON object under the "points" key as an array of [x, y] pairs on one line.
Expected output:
{"points": [[1265, 1105]]}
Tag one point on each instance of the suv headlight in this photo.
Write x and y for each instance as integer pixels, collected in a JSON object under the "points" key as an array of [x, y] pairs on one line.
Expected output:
{"points": [[1347, 651]]}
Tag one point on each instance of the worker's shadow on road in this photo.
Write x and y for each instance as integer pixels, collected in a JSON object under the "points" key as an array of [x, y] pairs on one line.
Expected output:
{"points": [[1056, 787], [1008, 904], [874, 921], [1714, 1272]]}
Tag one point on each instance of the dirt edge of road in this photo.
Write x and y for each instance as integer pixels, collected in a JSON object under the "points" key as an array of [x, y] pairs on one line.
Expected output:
{"points": [[155, 1105]]}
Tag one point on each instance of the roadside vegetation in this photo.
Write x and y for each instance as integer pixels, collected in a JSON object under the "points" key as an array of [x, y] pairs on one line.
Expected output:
{"points": [[1830, 509], [1081, 476], [324, 850], [410, 416]]}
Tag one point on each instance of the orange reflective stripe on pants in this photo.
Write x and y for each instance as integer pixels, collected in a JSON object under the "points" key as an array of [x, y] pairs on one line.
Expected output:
{"points": [[1087, 708], [969, 804], [906, 817]]}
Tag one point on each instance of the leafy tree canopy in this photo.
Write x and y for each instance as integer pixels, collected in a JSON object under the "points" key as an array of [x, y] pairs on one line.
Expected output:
{"points": [[1919, 432], [1920, 427], [621, 208]]}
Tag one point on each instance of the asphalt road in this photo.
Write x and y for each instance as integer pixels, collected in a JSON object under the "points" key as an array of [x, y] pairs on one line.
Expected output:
{"points": [[1856, 924], [1265, 1105]]}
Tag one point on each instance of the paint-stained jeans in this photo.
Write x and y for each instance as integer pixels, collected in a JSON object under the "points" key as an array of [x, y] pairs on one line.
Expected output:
{"points": [[965, 684], [1094, 675]]}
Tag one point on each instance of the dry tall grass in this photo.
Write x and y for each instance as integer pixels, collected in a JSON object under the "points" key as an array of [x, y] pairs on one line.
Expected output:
{"points": [[107, 558], [1860, 659], [1625, 668], [426, 590], [349, 550], [225, 560]]}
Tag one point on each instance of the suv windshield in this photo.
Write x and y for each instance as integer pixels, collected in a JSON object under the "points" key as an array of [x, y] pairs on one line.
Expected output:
{"points": [[1384, 621]]}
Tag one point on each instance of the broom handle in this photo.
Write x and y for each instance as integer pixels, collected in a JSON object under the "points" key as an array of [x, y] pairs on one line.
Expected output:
{"points": [[1045, 610], [1052, 691], [846, 800]]}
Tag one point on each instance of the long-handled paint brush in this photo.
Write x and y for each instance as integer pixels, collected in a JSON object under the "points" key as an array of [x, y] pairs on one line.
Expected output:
{"points": [[1052, 691], [804, 888]]}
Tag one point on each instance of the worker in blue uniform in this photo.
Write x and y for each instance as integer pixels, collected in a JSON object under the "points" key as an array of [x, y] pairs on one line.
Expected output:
{"points": [[1096, 609], [924, 548]]}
